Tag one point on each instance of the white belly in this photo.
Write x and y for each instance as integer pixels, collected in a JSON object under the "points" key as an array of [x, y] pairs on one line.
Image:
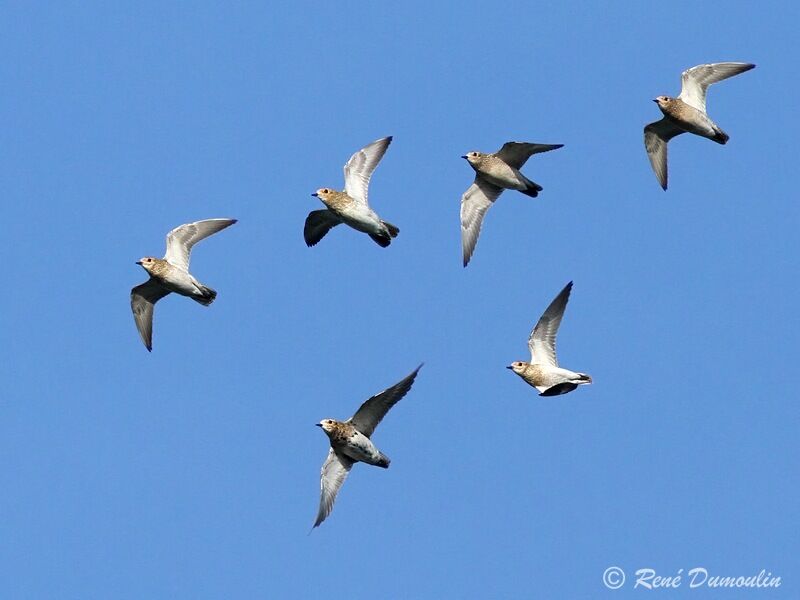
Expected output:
{"points": [[363, 219], [360, 448]]}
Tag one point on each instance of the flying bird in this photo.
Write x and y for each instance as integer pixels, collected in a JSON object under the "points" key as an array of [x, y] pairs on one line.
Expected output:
{"points": [[687, 113], [351, 443], [350, 206], [493, 174], [171, 274], [543, 371]]}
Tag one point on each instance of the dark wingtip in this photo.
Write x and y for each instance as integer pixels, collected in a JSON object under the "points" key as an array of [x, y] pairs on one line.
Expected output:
{"points": [[413, 375]]}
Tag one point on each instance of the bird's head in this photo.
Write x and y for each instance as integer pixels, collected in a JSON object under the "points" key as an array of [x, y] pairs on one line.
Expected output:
{"points": [[474, 157], [662, 101], [324, 194], [517, 366], [147, 263], [327, 425]]}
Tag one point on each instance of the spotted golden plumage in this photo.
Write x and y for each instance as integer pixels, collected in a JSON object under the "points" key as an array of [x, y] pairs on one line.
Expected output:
{"points": [[350, 442], [493, 174], [171, 274], [351, 206], [687, 113], [543, 371]]}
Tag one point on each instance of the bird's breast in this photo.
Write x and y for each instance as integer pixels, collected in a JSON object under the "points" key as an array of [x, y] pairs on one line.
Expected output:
{"points": [[689, 118], [338, 202]]}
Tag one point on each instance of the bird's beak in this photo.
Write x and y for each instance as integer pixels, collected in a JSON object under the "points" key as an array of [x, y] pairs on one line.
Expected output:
{"points": [[318, 424], [655, 100], [138, 262], [315, 194], [509, 367], [465, 156]]}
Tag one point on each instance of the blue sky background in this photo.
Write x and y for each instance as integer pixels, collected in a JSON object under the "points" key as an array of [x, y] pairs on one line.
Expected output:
{"points": [[193, 472]]}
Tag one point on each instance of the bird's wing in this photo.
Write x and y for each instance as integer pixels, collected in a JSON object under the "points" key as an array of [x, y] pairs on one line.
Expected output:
{"points": [[181, 239], [143, 298], [656, 136], [695, 81], [542, 341], [332, 476], [474, 204], [373, 410], [359, 168], [318, 223], [515, 154]]}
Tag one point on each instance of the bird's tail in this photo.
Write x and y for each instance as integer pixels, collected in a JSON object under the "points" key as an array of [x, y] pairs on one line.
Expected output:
{"points": [[205, 296], [393, 231], [720, 136], [383, 461], [533, 188], [384, 238]]}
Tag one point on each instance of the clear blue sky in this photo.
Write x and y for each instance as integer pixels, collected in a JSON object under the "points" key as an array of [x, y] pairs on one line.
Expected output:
{"points": [[193, 472]]}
